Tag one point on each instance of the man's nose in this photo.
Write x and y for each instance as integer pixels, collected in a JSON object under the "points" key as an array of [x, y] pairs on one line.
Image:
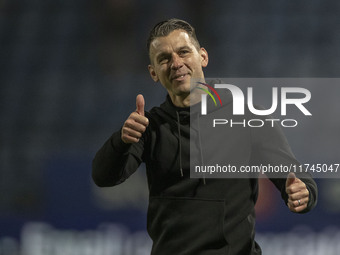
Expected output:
{"points": [[177, 62]]}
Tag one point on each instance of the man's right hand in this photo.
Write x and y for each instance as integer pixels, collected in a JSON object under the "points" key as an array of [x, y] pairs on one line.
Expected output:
{"points": [[136, 124]]}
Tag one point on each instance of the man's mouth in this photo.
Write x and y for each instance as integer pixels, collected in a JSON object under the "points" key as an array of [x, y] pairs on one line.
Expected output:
{"points": [[179, 77]]}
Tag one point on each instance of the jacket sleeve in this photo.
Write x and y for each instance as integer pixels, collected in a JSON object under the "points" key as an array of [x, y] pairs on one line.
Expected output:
{"points": [[272, 149], [116, 161]]}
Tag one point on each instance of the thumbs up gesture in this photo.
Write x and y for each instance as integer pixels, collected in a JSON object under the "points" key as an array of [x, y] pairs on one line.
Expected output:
{"points": [[136, 123], [298, 194]]}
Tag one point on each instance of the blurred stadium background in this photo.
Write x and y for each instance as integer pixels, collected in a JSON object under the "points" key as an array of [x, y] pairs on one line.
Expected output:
{"points": [[70, 71]]}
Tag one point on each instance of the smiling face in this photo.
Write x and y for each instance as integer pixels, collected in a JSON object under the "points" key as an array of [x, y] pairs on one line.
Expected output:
{"points": [[174, 61]]}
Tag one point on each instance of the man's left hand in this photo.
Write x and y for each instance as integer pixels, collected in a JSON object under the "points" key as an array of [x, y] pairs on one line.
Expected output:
{"points": [[298, 194]]}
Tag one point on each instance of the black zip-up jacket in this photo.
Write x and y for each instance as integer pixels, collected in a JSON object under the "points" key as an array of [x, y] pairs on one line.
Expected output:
{"points": [[192, 216]]}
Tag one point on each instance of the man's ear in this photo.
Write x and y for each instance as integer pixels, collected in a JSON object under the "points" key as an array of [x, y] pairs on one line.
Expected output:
{"points": [[153, 73], [204, 57]]}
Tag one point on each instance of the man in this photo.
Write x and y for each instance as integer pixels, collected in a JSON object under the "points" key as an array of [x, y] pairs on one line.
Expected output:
{"points": [[191, 216]]}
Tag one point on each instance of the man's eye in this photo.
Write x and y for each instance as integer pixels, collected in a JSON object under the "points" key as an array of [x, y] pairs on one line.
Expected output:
{"points": [[183, 52], [163, 61]]}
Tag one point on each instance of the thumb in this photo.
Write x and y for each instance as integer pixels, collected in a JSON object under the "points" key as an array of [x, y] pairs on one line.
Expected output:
{"points": [[290, 179], [140, 104]]}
